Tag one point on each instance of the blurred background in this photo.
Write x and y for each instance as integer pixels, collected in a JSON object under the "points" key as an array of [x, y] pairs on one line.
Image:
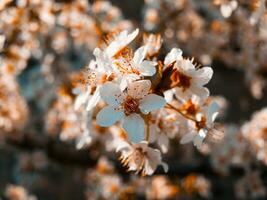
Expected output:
{"points": [[44, 44]]}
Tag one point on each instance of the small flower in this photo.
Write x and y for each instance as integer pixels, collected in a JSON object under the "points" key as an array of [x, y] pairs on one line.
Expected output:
{"points": [[140, 157], [164, 126], [186, 78], [203, 125], [96, 74], [173, 56], [128, 106], [133, 67], [120, 42], [153, 43]]}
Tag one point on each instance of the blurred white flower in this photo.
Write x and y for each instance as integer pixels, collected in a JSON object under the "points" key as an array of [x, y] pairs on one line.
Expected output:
{"points": [[140, 157], [228, 8], [204, 123], [164, 127], [120, 42]]}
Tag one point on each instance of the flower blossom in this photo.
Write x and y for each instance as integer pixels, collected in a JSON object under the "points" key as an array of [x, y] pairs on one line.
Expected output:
{"points": [[117, 61], [140, 157], [129, 106], [204, 123], [133, 67], [164, 126], [187, 79]]}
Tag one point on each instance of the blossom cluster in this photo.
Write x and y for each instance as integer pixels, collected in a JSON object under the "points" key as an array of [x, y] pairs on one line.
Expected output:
{"points": [[13, 107], [108, 185], [151, 100], [48, 31]]}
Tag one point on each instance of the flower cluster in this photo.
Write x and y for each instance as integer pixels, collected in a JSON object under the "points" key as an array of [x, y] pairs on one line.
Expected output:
{"points": [[104, 182], [255, 133], [153, 100], [13, 107], [48, 31]]}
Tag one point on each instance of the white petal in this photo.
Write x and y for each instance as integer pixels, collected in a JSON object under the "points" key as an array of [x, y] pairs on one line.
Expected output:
{"points": [[226, 10], [172, 56], [198, 139], [84, 140], [134, 125], [109, 116], [202, 92], [127, 79], [187, 138], [153, 133], [147, 68], [132, 36], [202, 133], [199, 116], [94, 99], [111, 94], [151, 102], [139, 55], [163, 142], [121, 41], [80, 100], [213, 111], [165, 167], [102, 60], [154, 159], [169, 95], [139, 89], [123, 146], [187, 67], [182, 95], [203, 76]]}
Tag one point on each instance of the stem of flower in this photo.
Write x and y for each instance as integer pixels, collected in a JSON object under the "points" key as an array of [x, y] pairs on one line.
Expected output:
{"points": [[169, 106]]}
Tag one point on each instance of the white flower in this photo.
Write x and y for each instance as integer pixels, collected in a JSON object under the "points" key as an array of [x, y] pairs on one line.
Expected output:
{"points": [[132, 68], [105, 58], [104, 62], [140, 157], [94, 99], [203, 125], [119, 60], [120, 42], [187, 79], [228, 8], [91, 96], [192, 80], [86, 136], [173, 56], [164, 126], [153, 43], [128, 106], [258, 13]]}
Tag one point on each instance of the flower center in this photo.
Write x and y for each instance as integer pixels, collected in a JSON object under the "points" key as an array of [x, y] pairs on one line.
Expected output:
{"points": [[190, 108], [138, 155], [130, 105], [181, 80], [123, 62], [201, 124]]}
